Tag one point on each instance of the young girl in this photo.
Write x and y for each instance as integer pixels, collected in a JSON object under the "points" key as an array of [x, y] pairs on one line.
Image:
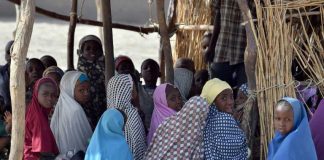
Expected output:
{"points": [[181, 135], [167, 102], [92, 63], [39, 140], [120, 90], [293, 139], [108, 141], [69, 123], [223, 138]]}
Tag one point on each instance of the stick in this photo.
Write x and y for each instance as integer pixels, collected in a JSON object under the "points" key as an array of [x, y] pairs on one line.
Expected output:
{"points": [[70, 42], [17, 77]]}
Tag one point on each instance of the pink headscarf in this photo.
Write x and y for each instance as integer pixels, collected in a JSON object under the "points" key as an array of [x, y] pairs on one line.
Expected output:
{"points": [[161, 110]]}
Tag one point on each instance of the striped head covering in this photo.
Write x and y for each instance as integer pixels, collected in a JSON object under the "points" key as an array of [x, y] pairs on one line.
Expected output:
{"points": [[181, 135], [119, 95], [183, 79]]}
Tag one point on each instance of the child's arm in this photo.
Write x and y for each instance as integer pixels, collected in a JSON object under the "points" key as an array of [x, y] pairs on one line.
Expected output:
{"points": [[8, 120]]}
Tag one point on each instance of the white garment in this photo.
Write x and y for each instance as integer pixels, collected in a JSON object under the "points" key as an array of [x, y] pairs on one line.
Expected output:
{"points": [[69, 124]]}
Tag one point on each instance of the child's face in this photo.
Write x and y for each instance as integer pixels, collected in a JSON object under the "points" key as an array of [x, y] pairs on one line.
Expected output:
{"points": [[34, 72], [125, 68], [200, 81], [150, 72], [225, 101], [91, 50], [82, 92], [241, 98], [205, 43], [47, 95], [283, 119], [173, 97]]}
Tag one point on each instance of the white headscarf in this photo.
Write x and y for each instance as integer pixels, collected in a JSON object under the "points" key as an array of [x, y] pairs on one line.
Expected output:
{"points": [[183, 79], [69, 124], [119, 95]]}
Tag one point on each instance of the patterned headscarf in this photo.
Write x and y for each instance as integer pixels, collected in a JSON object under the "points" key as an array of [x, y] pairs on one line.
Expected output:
{"points": [[119, 95], [181, 136], [244, 88], [183, 79], [223, 138], [53, 69], [96, 72]]}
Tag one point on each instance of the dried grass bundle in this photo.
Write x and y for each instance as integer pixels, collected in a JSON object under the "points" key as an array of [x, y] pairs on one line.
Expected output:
{"points": [[279, 39], [188, 42]]}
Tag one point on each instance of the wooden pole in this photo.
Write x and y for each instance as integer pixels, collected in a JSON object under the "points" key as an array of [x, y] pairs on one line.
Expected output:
{"points": [[250, 57], [70, 42], [166, 46], [17, 77], [108, 39], [162, 62]]}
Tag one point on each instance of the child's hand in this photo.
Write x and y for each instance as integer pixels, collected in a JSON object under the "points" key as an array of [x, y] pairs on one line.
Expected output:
{"points": [[8, 117]]}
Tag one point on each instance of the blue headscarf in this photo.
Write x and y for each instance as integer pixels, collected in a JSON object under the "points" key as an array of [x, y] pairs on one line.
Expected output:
{"points": [[298, 144], [108, 141], [223, 138]]}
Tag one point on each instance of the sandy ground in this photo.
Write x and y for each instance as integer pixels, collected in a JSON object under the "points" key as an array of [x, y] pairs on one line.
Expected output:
{"points": [[49, 37]]}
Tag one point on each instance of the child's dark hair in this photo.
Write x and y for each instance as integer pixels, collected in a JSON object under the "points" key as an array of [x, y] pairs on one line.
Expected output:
{"points": [[37, 62], [149, 60], [48, 61]]}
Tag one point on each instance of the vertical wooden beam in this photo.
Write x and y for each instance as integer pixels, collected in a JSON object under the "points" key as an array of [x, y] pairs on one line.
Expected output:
{"points": [[17, 77], [70, 45], [108, 39], [166, 46], [162, 63]]}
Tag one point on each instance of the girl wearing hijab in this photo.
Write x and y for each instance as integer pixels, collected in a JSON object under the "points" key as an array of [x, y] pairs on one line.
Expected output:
{"points": [[92, 63], [39, 139], [316, 125], [223, 138], [167, 102], [120, 90], [181, 135], [69, 123], [183, 80], [293, 139], [108, 141]]}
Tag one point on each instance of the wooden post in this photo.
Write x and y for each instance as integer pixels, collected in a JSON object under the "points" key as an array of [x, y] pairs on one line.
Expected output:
{"points": [[166, 46], [108, 39], [70, 42], [250, 57], [17, 77], [162, 63]]}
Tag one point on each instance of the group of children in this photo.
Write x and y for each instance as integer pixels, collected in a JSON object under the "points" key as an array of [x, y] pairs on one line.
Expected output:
{"points": [[74, 115]]}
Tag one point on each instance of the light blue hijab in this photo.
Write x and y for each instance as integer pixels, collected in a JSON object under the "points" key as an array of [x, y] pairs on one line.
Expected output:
{"points": [[108, 141], [298, 144]]}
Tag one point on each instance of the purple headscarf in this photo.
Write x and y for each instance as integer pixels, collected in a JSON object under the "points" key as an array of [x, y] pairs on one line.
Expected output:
{"points": [[161, 110], [316, 125]]}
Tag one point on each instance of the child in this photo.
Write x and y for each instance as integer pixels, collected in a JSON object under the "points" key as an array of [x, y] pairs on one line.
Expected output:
{"points": [[205, 41], [69, 123], [201, 77], [5, 77], [39, 140], [223, 138], [316, 125], [120, 91], [241, 98], [293, 139], [48, 61], [181, 135], [150, 71], [108, 140], [186, 63], [34, 71], [92, 63], [167, 102], [124, 65]]}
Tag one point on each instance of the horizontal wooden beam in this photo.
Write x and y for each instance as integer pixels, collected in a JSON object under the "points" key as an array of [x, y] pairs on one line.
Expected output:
{"points": [[140, 29]]}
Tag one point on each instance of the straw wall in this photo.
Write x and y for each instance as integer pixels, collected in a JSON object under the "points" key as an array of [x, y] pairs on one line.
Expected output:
{"points": [[188, 42]]}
